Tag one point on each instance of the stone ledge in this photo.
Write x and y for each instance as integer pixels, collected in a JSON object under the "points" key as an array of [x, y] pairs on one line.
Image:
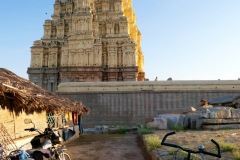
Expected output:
{"points": [[226, 126], [233, 85], [216, 113], [235, 113], [221, 121]]}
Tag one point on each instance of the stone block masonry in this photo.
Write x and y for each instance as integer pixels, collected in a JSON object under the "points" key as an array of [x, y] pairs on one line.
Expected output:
{"points": [[130, 103], [220, 118], [235, 113]]}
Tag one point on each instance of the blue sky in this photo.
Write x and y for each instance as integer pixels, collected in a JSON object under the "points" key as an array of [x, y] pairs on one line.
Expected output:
{"points": [[181, 39]]}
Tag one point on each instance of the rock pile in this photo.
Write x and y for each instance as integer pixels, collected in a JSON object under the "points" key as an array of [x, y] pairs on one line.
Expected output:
{"points": [[208, 118], [220, 118]]}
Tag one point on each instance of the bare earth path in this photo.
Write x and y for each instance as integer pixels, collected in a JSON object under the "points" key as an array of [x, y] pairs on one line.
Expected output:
{"points": [[108, 147]]}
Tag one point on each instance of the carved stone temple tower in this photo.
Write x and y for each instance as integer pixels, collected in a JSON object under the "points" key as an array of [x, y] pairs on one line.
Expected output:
{"points": [[88, 41]]}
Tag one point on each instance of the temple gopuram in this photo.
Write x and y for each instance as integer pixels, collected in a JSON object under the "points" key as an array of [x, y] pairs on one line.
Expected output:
{"points": [[88, 41]]}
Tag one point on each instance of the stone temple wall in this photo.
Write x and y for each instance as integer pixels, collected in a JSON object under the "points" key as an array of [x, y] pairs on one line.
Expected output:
{"points": [[129, 103]]}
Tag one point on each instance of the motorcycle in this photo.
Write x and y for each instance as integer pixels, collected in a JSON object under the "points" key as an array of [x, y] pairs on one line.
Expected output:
{"points": [[46, 145]]}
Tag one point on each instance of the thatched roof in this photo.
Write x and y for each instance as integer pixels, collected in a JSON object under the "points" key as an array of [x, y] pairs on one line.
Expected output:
{"points": [[20, 95]]}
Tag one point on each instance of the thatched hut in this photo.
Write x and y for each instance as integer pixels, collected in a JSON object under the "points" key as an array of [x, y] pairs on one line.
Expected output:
{"points": [[20, 98]]}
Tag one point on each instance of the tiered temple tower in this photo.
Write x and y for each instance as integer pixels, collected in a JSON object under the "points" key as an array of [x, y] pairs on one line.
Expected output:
{"points": [[88, 41]]}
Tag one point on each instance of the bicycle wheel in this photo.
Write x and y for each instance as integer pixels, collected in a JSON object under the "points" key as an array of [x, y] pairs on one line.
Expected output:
{"points": [[182, 155], [65, 156]]}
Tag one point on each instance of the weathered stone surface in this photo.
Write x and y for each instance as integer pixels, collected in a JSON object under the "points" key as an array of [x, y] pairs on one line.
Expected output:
{"points": [[163, 152], [186, 122], [160, 154], [227, 126], [216, 112], [192, 121], [159, 123], [149, 119], [205, 112], [173, 120], [195, 122], [132, 107], [188, 110], [221, 121], [154, 154], [92, 131], [103, 129], [235, 113], [220, 112]]}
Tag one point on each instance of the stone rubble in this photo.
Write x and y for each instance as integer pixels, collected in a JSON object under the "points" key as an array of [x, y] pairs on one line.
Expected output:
{"points": [[208, 118]]}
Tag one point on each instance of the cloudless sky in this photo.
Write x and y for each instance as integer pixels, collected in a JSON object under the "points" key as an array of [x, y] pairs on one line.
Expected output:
{"points": [[181, 39]]}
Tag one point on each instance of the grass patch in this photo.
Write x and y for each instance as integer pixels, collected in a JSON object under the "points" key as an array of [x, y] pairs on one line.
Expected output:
{"points": [[236, 155], [145, 130], [153, 141], [171, 151], [178, 127], [122, 129], [180, 153], [227, 147]]}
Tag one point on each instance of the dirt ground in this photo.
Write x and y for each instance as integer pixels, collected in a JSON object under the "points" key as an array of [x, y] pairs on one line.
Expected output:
{"points": [[108, 147], [130, 146], [192, 139]]}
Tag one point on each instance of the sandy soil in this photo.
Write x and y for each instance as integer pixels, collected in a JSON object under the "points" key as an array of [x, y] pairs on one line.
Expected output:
{"points": [[108, 147]]}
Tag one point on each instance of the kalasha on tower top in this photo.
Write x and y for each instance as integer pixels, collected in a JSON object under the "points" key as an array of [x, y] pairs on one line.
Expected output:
{"points": [[88, 41]]}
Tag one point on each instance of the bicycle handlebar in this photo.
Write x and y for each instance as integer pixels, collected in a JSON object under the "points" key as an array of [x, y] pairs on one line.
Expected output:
{"points": [[168, 134], [189, 150], [218, 150]]}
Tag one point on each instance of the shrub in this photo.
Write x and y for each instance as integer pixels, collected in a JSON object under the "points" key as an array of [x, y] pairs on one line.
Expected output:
{"points": [[152, 142], [122, 129]]}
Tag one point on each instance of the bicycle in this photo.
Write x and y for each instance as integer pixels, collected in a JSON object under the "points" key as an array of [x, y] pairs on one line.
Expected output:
{"points": [[58, 152], [189, 154]]}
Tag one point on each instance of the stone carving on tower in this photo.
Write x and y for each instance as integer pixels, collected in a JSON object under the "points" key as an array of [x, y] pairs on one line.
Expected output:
{"points": [[88, 41]]}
